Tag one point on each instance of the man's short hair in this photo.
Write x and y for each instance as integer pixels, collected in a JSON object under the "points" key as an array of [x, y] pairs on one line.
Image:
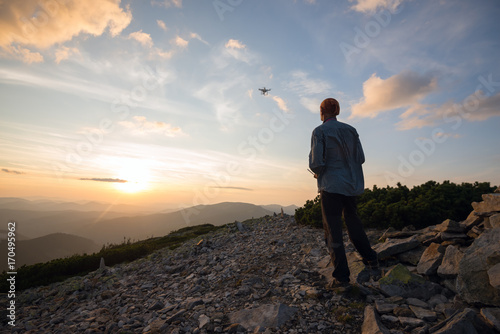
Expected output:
{"points": [[330, 106]]}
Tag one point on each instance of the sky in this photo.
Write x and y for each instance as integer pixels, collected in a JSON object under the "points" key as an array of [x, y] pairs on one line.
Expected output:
{"points": [[157, 102]]}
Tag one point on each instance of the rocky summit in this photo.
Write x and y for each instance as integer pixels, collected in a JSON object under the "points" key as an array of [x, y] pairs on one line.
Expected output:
{"points": [[270, 275]]}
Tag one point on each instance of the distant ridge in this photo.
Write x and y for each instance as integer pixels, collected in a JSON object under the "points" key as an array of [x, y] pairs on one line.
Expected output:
{"points": [[102, 224], [15, 203], [49, 247], [144, 226]]}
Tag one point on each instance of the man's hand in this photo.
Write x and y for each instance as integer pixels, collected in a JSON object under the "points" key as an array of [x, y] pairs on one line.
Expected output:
{"points": [[315, 175]]}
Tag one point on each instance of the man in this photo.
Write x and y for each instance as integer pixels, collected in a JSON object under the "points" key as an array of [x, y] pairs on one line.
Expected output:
{"points": [[336, 157]]}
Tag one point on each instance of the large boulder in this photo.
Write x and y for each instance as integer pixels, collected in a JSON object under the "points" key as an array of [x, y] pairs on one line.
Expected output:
{"points": [[451, 260], [399, 281], [431, 260], [450, 226], [473, 281], [490, 203]]}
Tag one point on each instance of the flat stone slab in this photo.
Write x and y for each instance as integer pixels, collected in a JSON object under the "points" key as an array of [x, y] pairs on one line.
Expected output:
{"points": [[395, 246], [424, 314]]}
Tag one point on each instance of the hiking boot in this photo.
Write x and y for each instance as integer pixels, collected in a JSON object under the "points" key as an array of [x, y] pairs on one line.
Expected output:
{"points": [[336, 283]]}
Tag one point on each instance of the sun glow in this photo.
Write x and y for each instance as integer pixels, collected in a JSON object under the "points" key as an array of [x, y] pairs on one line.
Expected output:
{"points": [[136, 175]]}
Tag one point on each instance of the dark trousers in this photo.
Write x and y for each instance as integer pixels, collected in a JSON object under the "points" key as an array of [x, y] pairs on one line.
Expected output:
{"points": [[332, 207]]}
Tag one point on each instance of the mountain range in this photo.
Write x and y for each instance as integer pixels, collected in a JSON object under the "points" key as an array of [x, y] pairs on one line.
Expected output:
{"points": [[47, 229]]}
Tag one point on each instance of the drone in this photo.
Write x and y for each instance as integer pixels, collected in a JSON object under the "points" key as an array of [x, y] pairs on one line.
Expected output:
{"points": [[264, 90]]}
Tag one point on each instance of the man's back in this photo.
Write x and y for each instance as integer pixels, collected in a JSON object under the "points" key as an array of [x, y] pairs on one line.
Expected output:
{"points": [[336, 156]]}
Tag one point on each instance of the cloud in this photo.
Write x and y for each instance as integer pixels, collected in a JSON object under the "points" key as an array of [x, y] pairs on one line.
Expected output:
{"points": [[223, 97], [140, 126], [179, 41], [310, 91], [235, 44], [142, 37], [40, 25], [162, 25], [371, 6], [9, 171], [64, 53], [480, 108], [281, 103], [194, 35], [235, 188], [239, 51], [163, 54], [25, 55], [401, 90], [301, 83], [311, 104], [476, 107], [103, 180], [168, 3]]}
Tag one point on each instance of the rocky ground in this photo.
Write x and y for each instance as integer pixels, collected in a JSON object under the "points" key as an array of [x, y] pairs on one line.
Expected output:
{"points": [[263, 275], [270, 268]]}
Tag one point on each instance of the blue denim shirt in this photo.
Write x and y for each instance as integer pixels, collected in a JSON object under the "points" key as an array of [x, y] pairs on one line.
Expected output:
{"points": [[336, 156]]}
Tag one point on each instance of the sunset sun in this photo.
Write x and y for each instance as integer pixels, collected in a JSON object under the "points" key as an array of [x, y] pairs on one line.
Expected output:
{"points": [[136, 178]]}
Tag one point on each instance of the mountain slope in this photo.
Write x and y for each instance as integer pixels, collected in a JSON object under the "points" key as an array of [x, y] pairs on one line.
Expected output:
{"points": [[49, 247], [34, 224], [141, 227]]}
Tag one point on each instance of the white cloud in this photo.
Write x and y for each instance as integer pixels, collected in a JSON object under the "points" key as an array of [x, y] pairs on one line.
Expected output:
{"points": [[142, 37], [281, 103], [25, 54], [180, 42], [64, 53], [168, 3], [371, 6], [162, 25], [141, 126], [238, 51], [194, 35], [405, 89], [163, 54], [32, 25], [218, 94], [475, 107], [311, 104], [310, 91], [235, 44], [302, 83]]}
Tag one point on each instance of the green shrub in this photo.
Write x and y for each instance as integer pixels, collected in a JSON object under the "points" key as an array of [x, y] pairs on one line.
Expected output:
{"points": [[424, 205]]}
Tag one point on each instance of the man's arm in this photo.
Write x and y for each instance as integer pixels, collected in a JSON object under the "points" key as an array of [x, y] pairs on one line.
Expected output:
{"points": [[317, 154], [360, 155]]}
